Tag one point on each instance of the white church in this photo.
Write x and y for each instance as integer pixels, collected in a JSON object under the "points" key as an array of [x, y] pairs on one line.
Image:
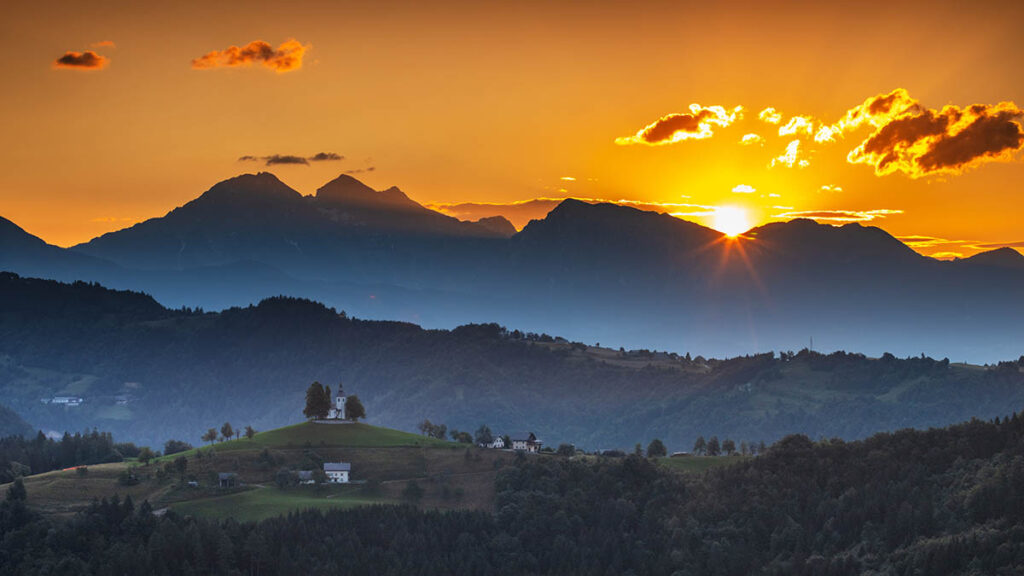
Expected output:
{"points": [[337, 412]]}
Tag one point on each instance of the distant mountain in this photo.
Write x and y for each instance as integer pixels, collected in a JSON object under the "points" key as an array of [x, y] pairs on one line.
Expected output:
{"points": [[998, 258], [596, 272], [147, 374], [13, 425]]}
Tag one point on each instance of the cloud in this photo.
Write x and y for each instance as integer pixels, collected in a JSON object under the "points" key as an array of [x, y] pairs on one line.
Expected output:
{"points": [[790, 158], [770, 115], [842, 216], [286, 58], [87, 60], [293, 159], [104, 44], [360, 170], [751, 139], [695, 125], [830, 188], [798, 125], [326, 157], [920, 141], [744, 189], [567, 178], [285, 159], [947, 255]]}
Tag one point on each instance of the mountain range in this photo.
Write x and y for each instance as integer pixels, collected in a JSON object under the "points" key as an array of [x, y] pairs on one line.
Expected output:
{"points": [[593, 272]]}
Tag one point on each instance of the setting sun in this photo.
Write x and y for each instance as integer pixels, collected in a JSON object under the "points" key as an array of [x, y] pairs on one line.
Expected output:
{"points": [[731, 220]]}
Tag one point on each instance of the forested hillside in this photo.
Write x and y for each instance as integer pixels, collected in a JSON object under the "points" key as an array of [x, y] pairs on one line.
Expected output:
{"points": [[938, 502], [147, 374]]}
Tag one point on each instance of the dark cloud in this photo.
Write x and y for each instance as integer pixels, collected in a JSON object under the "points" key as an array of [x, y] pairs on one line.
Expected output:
{"points": [[87, 60], [920, 141], [285, 159], [360, 170], [326, 157], [293, 158], [287, 56], [696, 125]]}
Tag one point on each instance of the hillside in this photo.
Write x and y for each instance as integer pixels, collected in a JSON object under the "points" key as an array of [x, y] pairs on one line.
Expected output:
{"points": [[942, 502], [11, 424], [148, 374], [383, 460]]}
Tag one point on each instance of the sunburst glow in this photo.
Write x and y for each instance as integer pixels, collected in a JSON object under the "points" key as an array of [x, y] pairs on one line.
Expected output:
{"points": [[731, 220]]}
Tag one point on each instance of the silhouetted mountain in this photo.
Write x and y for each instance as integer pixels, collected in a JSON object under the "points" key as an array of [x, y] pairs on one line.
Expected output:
{"points": [[180, 372], [498, 224], [1000, 258], [599, 272]]}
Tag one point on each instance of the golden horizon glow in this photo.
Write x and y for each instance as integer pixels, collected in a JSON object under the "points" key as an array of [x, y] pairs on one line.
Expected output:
{"points": [[460, 102]]}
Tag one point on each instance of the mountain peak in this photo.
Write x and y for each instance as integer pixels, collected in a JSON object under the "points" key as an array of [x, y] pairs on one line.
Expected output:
{"points": [[1004, 257], [263, 186], [806, 238], [351, 192]]}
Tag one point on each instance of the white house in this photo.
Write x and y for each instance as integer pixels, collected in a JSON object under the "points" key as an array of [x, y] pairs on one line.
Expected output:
{"points": [[527, 442], [337, 412], [499, 443], [337, 472], [306, 477]]}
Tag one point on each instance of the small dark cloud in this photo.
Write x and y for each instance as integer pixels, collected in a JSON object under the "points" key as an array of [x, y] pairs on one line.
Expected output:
{"points": [[285, 159], [326, 157], [87, 60], [277, 159], [360, 170]]}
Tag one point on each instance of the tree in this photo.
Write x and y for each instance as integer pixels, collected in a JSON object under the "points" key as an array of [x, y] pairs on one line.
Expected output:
{"points": [[145, 455], [656, 449], [426, 427], [729, 447], [227, 431], [483, 435], [250, 432], [210, 435], [638, 449], [700, 447], [744, 448], [461, 437], [316, 406], [175, 446], [17, 491], [714, 448], [181, 465], [567, 450], [354, 409], [507, 440]]}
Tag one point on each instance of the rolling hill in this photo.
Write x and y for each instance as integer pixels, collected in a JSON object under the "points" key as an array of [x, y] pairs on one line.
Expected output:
{"points": [[180, 372]]}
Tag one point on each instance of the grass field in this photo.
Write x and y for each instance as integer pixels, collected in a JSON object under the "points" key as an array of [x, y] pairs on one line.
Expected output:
{"points": [[697, 463], [328, 435], [267, 502]]}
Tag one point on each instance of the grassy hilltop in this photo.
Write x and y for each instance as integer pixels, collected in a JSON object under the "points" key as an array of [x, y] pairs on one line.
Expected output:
{"points": [[384, 462]]}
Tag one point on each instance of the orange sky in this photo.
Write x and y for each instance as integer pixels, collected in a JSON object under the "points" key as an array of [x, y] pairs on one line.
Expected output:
{"points": [[485, 102]]}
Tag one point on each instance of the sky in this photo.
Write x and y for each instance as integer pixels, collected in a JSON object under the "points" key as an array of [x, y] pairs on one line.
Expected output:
{"points": [[904, 115]]}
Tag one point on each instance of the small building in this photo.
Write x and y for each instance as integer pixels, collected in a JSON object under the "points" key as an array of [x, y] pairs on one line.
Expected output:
{"points": [[526, 442], [337, 472], [306, 477], [227, 479], [498, 443], [66, 400]]}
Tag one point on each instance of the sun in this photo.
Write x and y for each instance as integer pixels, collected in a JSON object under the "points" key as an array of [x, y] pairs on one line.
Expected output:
{"points": [[731, 220]]}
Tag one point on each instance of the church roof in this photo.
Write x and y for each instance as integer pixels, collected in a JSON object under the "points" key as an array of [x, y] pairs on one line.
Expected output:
{"points": [[337, 466]]}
